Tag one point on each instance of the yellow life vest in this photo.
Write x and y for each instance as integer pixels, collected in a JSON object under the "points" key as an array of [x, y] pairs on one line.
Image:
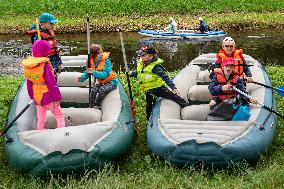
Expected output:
{"points": [[33, 71], [148, 79]]}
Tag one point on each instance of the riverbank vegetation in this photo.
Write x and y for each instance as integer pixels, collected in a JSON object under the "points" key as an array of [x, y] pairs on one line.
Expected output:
{"points": [[109, 15], [141, 169]]}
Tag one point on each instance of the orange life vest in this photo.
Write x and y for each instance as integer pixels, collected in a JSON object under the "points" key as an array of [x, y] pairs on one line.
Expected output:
{"points": [[101, 67], [50, 38], [239, 64], [34, 70], [230, 94]]}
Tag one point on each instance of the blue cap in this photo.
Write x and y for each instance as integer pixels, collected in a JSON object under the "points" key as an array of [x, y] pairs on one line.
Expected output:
{"points": [[47, 17]]}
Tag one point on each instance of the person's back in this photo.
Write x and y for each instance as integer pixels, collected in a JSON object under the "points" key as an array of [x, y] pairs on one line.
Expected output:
{"points": [[172, 26], [203, 27], [41, 84]]}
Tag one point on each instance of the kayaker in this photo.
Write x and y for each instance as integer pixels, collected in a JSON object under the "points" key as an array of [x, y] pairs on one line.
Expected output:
{"points": [[101, 70], [46, 27], [228, 50], [203, 27], [223, 97], [154, 79], [41, 84], [172, 26]]}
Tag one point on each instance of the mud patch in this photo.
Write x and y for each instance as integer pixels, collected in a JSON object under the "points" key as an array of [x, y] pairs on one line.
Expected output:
{"points": [[10, 65]]}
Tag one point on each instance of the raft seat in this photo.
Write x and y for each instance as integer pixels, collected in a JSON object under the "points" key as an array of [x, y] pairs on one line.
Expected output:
{"points": [[75, 117], [199, 96]]}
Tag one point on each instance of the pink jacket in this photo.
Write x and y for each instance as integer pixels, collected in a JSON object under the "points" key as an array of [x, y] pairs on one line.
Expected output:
{"points": [[53, 93]]}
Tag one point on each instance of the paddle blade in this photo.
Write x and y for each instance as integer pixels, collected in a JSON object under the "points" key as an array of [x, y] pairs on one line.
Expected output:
{"points": [[280, 90]]}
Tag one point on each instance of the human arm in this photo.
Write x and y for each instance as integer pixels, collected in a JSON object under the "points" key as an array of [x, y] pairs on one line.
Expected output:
{"points": [[51, 84], [133, 73], [159, 70], [214, 88], [105, 72], [30, 89], [84, 76]]}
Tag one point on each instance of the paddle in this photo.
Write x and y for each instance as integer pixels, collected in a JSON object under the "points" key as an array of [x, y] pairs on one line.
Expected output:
{"points": [[126, 72], [280, 89], [258, 102], [37, 29], [89, 58], [16, 118]]}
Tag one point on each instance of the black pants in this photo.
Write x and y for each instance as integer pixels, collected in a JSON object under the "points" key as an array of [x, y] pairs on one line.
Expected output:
{"points": [[163, 92], [98, 93]]}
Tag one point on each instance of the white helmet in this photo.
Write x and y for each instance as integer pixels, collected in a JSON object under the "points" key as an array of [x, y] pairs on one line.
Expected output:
{"points": [[200, 19], [228, 41]]}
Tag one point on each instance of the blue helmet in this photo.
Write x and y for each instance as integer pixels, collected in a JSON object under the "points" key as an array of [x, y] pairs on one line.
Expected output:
{"points": [[47, 17]]}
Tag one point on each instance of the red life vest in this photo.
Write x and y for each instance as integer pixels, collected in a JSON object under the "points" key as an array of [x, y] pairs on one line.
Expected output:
{"points": [[50, 38], [239, 63], [101, 67], [230, 94]]}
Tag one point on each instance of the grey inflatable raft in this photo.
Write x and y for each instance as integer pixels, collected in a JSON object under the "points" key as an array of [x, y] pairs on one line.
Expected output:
{"points": [[183, 137], [91, 138]]}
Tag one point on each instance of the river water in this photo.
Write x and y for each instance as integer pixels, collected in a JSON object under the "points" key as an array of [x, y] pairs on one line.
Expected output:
{"points": [[267, 46]]}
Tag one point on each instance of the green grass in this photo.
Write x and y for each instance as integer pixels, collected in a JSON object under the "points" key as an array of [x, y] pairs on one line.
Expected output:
{"points": [[108, 15], [141, 169]]}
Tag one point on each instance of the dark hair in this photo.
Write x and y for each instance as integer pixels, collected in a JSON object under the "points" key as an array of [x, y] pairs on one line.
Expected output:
{"points": [[147, 50], [95, 49]]}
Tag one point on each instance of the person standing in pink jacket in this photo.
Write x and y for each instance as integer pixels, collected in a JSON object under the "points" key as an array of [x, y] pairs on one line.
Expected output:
{"points": [[41, 84]]}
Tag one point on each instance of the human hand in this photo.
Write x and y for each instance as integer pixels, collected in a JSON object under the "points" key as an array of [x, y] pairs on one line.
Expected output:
{"points": [[175, 91], [249, 79], [79, 79], [56, 103], [254, 101], [90, 70], [226, 87], [212, 103]]}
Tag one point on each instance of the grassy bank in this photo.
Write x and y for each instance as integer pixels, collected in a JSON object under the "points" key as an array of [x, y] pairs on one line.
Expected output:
{"points": [[108, 15], [141, 169]]}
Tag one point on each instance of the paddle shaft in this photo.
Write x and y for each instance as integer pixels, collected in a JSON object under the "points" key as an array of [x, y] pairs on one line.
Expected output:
{"points": [[126, 72], [258, 102], [89, 58], [16, 118], [281, 92], [37, 29]]}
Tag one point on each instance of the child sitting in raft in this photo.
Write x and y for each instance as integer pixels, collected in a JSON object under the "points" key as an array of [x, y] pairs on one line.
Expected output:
{"points": [[101, 70], [229, 51], [153, 79], [224, 101], [41, 84]]}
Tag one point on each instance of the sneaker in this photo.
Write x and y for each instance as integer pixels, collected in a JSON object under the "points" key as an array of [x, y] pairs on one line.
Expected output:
{"points": [[97, 107]]}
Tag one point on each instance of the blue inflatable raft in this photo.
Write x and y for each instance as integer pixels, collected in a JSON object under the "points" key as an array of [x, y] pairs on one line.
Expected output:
{"points": [[183, 137], [181, 34]]}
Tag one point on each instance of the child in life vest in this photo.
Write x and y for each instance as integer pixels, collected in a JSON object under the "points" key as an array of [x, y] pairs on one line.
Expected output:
{"points": [[221, 85], [101, 70], [154, 79], [41, 84], [229, 51], [46, 28]]}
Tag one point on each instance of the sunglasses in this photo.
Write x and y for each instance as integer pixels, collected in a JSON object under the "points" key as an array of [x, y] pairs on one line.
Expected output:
{"points": [[229, 46]]}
